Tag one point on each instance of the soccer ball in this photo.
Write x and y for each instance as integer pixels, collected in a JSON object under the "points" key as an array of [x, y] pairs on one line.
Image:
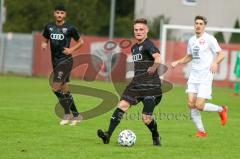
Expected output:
{"points": [[127, 138]]}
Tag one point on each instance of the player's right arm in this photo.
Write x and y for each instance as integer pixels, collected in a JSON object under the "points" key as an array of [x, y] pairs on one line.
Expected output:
{"points": [[187, 58], [44, 43], [46, 36]]}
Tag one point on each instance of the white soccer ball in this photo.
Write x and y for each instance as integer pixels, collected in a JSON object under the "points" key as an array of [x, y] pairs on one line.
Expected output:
{"points": [[127, 138]]}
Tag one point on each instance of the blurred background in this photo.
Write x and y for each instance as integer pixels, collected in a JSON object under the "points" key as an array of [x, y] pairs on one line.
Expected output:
{"points": [[29, 126], [98, 21]]}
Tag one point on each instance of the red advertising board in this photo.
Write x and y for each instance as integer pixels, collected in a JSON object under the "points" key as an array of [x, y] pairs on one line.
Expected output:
{"points": [[96, 46]]}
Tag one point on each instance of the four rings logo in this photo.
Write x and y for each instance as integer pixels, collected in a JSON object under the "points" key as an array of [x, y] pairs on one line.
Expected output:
{"points": [[57, 36], [137, 57]]}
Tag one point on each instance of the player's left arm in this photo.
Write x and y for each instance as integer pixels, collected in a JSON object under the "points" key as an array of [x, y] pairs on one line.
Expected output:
{"points": [[220, 55], [157, 62], [70, 50], [218, 59], [75, 35]]}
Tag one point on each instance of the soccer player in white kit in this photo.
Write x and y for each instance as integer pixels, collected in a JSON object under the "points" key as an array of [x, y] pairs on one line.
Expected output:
{"points": [[205, 53]]}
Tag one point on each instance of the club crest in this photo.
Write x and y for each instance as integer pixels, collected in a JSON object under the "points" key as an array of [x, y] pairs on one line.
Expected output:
{"points": [[202, 42], [64, 30]]}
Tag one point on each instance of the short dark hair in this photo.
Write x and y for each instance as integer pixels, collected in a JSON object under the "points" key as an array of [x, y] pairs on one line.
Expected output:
{"points": [[141, 20], [60, 7], [204, 19]]}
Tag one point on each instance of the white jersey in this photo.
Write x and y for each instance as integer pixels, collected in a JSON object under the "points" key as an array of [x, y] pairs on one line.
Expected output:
{"points": [[203, 51]]}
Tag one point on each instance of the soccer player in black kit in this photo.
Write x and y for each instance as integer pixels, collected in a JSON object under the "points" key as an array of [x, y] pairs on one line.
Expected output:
{"points": [[145, 86], [59, 33]]}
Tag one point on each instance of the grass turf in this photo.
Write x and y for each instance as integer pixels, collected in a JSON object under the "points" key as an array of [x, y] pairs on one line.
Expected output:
{"points": [[29, 128]]}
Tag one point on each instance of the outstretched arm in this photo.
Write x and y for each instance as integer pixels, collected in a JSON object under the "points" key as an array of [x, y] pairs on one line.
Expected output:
{"points": [[183, 60]]}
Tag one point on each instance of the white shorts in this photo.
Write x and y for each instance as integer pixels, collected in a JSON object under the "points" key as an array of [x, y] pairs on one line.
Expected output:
{"points": [[203, 90]]}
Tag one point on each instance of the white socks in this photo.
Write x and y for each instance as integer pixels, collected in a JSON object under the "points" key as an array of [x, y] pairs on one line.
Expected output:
{"points": [[209, 107], [196, 117]]}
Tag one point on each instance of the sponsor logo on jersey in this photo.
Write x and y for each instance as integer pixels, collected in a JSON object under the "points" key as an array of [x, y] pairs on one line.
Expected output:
{"points": [[137, 57], [140, 48], [64, 30], [57, 36], [196, 52], [51, 29]]}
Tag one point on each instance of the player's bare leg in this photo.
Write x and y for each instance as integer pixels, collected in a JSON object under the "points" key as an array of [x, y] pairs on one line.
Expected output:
{"points": [[114, 121]]}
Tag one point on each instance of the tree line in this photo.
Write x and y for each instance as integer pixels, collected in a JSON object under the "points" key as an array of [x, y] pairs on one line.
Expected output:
{"points": [[91, 17]]}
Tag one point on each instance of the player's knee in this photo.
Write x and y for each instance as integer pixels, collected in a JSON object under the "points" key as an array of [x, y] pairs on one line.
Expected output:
{"points": [[56, 87], [148, 107], [147, 119], [123, 105], [191, 104], [65, 88], [200, 106]]}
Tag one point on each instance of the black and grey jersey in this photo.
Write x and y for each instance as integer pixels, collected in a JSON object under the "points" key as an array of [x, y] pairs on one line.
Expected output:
{"points": [[60, 37], [142, 56]]}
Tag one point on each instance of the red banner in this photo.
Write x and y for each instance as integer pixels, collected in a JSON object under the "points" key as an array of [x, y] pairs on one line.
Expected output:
{"points": [[97, 46]]}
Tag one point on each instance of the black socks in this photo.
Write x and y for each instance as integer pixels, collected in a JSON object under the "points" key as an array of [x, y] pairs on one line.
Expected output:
{"points": [[115, 120], [71, 103], [117, 116], [66, 100], [153, 128]]}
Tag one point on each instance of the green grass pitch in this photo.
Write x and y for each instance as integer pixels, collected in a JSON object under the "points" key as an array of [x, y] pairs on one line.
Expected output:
{"points": [[29, 128]]}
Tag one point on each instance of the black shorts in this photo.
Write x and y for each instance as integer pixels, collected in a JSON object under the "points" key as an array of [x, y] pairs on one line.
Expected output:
{"points": [[136, 92], [62, 71]]}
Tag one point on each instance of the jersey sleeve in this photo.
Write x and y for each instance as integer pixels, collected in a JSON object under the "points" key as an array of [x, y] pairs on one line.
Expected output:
{"points": [[189, 51], [132, 49], [214, 46], [46, 33], [75, 34], [152, 48]]}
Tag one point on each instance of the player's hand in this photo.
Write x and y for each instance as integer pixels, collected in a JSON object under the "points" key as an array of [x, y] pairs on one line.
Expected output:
{"points": [[214, 67], [174, 64], [67, 51], [151, 70], [44, 46]]}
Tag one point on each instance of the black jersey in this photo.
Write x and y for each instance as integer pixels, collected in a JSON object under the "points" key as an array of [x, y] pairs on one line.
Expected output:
{"points": [[60, 37], [142, 56], [143, 85]]}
